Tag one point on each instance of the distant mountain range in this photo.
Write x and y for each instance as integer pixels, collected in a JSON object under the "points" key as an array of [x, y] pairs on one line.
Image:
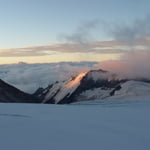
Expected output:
{"points": [[91, 85]]}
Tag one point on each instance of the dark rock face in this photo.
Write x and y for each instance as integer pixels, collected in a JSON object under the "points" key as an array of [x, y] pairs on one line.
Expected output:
{"points": [[10, 94], [41, 92]]}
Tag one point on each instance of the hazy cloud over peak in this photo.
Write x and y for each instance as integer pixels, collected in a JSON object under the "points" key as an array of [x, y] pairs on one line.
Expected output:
{"points": [[134, 64]]}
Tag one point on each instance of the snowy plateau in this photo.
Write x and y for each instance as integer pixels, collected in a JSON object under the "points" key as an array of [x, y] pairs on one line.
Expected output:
{"points": [[105, 125]]}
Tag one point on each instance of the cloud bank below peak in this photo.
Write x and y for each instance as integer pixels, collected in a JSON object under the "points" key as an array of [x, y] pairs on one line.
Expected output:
{"points": [[29, 77]]}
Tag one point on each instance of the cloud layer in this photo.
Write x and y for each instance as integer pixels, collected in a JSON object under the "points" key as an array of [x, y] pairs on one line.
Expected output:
{"points": [[29, 77]]}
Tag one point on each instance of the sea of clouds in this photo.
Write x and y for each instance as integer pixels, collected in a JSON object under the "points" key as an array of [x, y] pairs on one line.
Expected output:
{"points": [[29, 77]]}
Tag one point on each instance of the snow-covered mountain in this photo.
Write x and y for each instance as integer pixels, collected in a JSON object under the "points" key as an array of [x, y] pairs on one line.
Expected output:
{"points": [[95, 84], [9, 93]]}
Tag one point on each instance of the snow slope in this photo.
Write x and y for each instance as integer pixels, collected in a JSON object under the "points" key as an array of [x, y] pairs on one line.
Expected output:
{"points": [[132, 90], [129, 90], [96, 93], [62, 89], [112, 126]]}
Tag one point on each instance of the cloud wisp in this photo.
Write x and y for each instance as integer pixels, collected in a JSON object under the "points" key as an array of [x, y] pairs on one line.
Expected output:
{"points": [[103, 47], [83, 34], [133, 33]]}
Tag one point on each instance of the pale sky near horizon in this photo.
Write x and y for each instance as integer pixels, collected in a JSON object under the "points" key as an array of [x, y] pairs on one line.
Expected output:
{"points": [[40, 23]]}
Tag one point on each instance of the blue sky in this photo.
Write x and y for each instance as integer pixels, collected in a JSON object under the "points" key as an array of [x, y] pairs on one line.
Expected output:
{"points": [[25, 23], [39, 22]]}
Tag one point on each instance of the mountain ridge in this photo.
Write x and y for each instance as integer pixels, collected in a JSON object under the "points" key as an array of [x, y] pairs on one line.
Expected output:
{"points": [[9, 93]]}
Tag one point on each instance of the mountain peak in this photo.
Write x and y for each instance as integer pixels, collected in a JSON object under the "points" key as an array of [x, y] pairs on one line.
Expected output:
{"points": [[67, 91], [94, 84]]}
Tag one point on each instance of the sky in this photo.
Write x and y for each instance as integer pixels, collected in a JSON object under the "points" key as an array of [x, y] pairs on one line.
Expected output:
{"points": [[39, 31]]}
